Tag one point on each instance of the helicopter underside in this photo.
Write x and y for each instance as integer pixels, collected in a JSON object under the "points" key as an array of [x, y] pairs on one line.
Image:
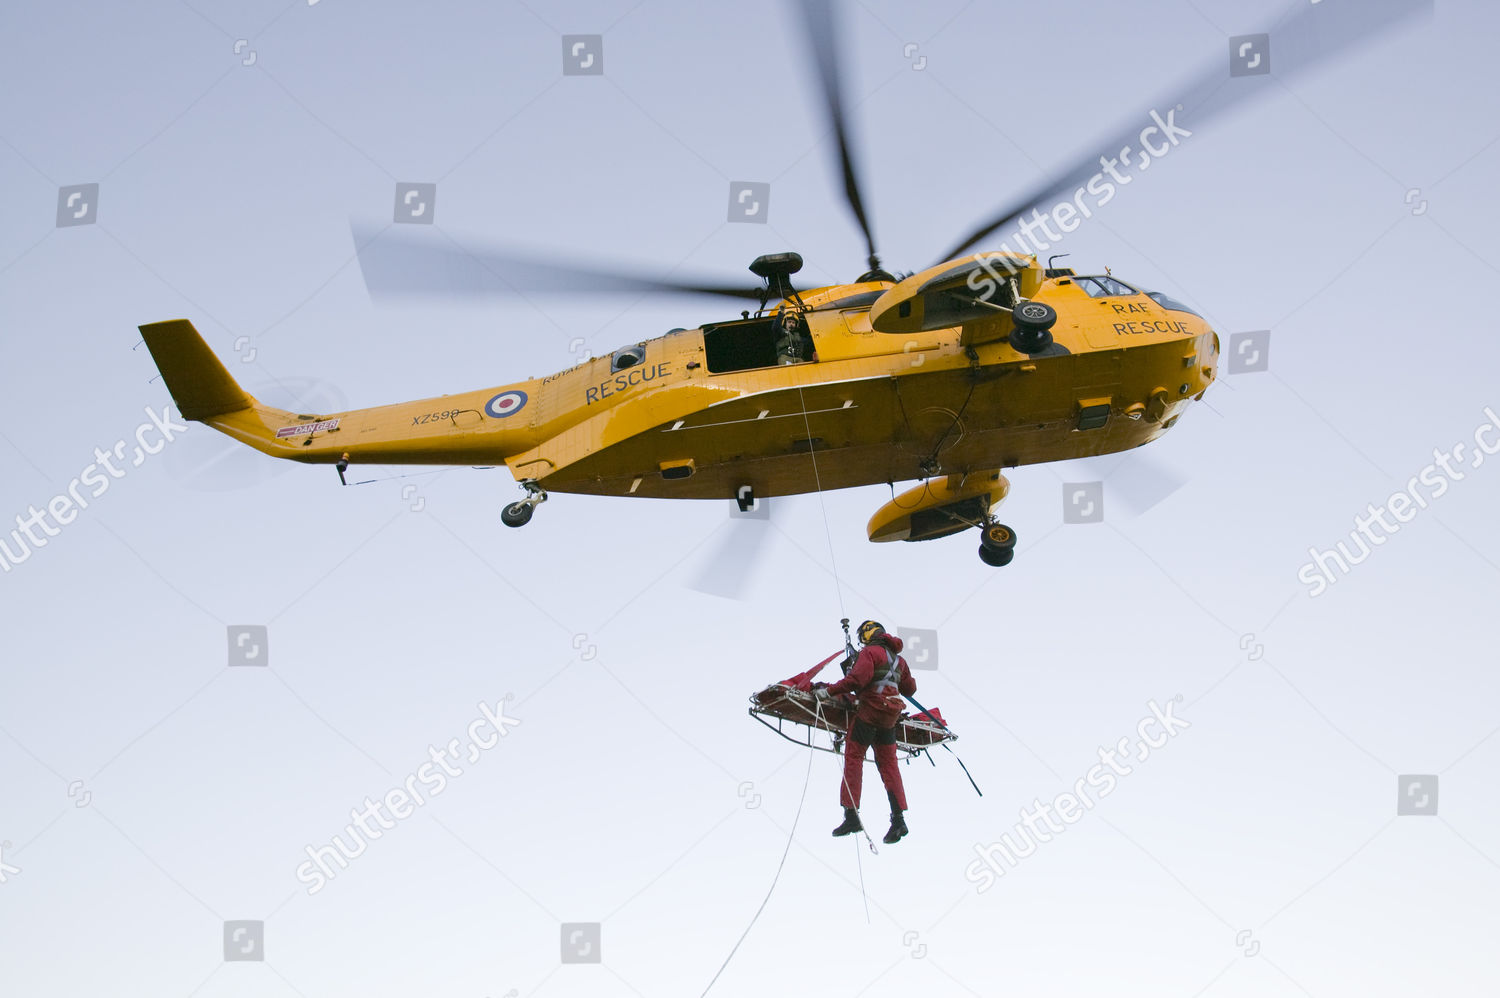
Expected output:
{"points": [[857, 465], [889, 429]]}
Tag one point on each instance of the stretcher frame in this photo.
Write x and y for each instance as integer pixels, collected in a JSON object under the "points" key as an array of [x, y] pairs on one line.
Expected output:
{"points": [[783, 704]]}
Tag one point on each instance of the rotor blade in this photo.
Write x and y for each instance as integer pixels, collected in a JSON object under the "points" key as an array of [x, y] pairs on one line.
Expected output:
{"points": [[824, 43], [1133, 483], [1307, 35], [729, 570], [1142, 483], [399, 262]]}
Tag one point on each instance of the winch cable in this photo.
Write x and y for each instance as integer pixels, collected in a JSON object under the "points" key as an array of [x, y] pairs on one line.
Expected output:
{"points": [[812, 450]]}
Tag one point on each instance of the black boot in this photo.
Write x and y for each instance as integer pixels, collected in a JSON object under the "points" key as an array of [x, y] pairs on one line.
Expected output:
{"points": [[898, 823], [851, 823]]}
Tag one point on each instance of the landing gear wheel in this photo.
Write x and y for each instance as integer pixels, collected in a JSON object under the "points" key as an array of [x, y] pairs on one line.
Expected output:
{"points": [[996, 557], [997, 537], [1033, 326], [517, 514]]}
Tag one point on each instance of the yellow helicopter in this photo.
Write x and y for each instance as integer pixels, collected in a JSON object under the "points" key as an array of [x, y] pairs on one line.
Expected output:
{"points": [[984, 362], [873, 382]]}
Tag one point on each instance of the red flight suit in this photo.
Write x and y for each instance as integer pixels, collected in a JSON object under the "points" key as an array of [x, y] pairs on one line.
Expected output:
{"points": [[878, 676]]}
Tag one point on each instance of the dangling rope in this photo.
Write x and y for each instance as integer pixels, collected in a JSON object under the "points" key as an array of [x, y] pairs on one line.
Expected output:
{"points": [[859, 862], [805, 781], [936, 720]]}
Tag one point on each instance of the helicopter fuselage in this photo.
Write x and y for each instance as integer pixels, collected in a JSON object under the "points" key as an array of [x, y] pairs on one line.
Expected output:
{"points": [[704, 413]]}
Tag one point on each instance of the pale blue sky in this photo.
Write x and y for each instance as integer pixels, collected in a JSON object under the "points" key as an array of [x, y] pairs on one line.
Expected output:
{"points": [[226, 193]]}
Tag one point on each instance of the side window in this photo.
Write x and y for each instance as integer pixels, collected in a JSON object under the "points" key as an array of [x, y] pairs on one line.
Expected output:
{"points": [[626, 357]]}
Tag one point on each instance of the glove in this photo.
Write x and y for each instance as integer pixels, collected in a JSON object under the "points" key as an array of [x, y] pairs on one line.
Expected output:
{"points": [[821, 692]]}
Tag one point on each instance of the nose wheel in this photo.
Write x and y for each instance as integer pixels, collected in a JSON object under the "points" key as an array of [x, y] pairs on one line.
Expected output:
{"points": [[997, 544], [518, 514]]}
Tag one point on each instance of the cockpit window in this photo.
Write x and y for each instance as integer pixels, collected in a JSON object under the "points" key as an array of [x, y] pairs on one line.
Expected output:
{"points": [[1104, 287], [859, 300], [1166, 301]]}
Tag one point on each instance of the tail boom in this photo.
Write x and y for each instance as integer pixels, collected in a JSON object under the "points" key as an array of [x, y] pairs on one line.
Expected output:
{"points": [[481, 427]]}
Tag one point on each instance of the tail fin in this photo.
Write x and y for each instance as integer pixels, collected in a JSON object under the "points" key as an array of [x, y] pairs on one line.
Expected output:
{"points": [[405, 433], [201, 387]]}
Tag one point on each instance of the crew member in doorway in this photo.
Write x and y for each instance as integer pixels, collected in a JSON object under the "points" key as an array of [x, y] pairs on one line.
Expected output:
{"points": [[793, 344], [878, 680]]}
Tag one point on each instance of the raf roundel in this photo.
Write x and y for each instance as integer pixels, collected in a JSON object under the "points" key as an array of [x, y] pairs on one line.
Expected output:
{"points": [[505, 404]]}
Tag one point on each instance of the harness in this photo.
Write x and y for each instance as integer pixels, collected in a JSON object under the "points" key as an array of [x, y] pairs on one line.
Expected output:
{"points": [[884, 678]]}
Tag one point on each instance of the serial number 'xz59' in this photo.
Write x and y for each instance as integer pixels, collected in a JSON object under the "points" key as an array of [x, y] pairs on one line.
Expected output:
{"points": [[433, 417]]}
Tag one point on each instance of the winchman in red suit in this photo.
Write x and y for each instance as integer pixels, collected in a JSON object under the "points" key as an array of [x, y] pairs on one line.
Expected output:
{"points": [[878, 679]]}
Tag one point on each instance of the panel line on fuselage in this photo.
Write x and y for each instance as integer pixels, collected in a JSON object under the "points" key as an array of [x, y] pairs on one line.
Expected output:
{"points": [[765, 415]]}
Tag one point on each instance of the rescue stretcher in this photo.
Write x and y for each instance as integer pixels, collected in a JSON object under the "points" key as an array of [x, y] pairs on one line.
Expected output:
{"points": [[793, 702]]}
